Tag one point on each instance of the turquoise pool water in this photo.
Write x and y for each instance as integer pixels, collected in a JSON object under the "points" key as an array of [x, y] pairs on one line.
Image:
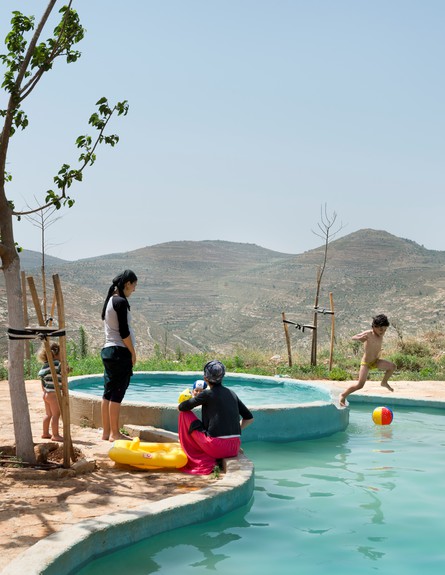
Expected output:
{"points": [[165, 387], [364, 501]]}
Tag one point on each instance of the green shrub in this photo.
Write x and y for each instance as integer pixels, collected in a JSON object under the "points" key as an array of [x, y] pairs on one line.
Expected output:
{"points": [[3, 372], [338, 374], [308, 372], [407, 362], [415, 347], [426, 373], [239, 362], [86, 365], [83, 342]]}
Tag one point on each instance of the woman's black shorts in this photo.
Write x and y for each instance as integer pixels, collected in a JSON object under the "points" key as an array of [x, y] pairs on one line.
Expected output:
{"points": [[118, 370]]}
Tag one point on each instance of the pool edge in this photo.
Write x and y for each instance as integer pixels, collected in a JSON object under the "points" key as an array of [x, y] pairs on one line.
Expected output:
{"points": [[275, 421], [58, 554]]}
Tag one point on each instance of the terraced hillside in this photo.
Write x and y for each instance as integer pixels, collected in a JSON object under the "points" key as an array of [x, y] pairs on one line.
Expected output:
{"points": [[216, 295]]}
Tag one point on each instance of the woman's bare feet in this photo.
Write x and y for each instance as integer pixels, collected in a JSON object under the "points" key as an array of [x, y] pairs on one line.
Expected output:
{"points": [[46, 436], [117, 437], [57, 438]]}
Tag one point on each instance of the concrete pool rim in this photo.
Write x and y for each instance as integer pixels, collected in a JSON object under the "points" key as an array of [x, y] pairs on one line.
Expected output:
{"points": [[59, 553], [273, 422]]}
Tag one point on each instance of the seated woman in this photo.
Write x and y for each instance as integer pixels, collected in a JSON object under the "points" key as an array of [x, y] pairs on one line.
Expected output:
{"points": [[218, 435]]}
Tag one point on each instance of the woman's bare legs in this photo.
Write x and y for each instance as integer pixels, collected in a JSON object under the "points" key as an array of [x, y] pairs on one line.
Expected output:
{"points": [[105, 410], [110, 420]]}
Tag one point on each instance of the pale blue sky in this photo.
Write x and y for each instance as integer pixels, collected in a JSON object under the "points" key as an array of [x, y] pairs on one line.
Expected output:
{"points": [[246, 116]]}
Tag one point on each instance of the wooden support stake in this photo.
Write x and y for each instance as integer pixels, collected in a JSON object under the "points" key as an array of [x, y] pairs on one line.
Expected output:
{"points": [[41, 321], [286, 333], [25, 318], [53, 307], [331, 352], [49, 355], [67, 444]]}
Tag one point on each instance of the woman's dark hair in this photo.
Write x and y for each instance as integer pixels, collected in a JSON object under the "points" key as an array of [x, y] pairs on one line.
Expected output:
{"points": [[118, 286]]}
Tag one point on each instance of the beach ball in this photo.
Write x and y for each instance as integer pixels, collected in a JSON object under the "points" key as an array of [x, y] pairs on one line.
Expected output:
{"points": [[186, 394], [382, 416]]}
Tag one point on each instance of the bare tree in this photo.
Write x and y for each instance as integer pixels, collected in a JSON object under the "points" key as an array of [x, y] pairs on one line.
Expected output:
{"points": [[326, 232], [43, 220]]}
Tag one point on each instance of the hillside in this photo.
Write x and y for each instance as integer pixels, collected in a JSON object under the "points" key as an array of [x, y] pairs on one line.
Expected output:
{"points": [[216, 295]]}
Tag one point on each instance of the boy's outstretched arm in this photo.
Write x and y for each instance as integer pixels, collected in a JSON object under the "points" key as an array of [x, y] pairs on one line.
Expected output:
{"points": [[361, 336]]}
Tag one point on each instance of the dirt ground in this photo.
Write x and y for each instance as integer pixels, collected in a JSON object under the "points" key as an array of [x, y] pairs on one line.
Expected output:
{"points": [[35, 503]]}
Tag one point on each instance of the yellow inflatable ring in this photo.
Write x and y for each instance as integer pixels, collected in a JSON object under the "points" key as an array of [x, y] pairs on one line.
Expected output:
{"points": [[147, 455]]}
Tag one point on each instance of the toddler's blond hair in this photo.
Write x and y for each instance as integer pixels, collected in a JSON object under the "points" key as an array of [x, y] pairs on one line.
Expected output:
{"points": [[42, 355]]}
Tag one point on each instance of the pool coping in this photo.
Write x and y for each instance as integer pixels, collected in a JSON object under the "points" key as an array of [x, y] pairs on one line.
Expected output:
{"points": [[58, 554], [278, 420], [396, 400]]}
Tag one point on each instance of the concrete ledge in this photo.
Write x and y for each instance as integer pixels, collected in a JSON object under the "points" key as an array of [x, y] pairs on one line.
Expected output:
{"points": [[150, 433], [395, 400], [60, 553], [279, 421], [294, 423]]}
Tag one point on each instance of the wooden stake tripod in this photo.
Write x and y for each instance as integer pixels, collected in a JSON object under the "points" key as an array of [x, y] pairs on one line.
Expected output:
{"points": [[61, 392], [313, 327]]}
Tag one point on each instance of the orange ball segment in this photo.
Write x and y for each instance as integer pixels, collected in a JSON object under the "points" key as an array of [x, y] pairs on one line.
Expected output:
{"points": [[382, 416]]}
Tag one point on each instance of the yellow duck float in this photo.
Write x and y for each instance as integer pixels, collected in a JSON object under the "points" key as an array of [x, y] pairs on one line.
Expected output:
{"points": [[147, 455]]}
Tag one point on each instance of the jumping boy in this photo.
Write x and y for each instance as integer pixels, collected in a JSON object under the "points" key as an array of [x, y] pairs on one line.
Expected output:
{"points": [[372, 342]]}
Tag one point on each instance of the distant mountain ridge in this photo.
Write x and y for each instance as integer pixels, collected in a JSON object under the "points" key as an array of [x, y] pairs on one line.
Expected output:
{"points": [[221, 296], [33, 260]]}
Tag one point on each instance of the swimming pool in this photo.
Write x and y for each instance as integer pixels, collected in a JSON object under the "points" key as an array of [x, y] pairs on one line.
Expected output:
{"points": [[368, 500], [284, 409], [165, 387]]}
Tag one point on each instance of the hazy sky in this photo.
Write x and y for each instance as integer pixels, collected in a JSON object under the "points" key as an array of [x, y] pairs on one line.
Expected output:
{"points": [[246, 116]]}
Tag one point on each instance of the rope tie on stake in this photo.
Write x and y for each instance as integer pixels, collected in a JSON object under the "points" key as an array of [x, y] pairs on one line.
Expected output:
{"points": [[41, 332], [299, 326]]}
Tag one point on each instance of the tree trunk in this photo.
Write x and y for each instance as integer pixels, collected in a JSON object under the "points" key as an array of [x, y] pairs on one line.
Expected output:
{"points": [[17, 389], [315, 320]]}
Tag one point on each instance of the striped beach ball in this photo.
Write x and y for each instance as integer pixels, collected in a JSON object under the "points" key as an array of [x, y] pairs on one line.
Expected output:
{"points": [[382, 416]]}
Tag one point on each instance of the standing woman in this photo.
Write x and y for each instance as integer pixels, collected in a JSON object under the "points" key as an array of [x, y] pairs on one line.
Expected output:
{"points": [[118, 354]]}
